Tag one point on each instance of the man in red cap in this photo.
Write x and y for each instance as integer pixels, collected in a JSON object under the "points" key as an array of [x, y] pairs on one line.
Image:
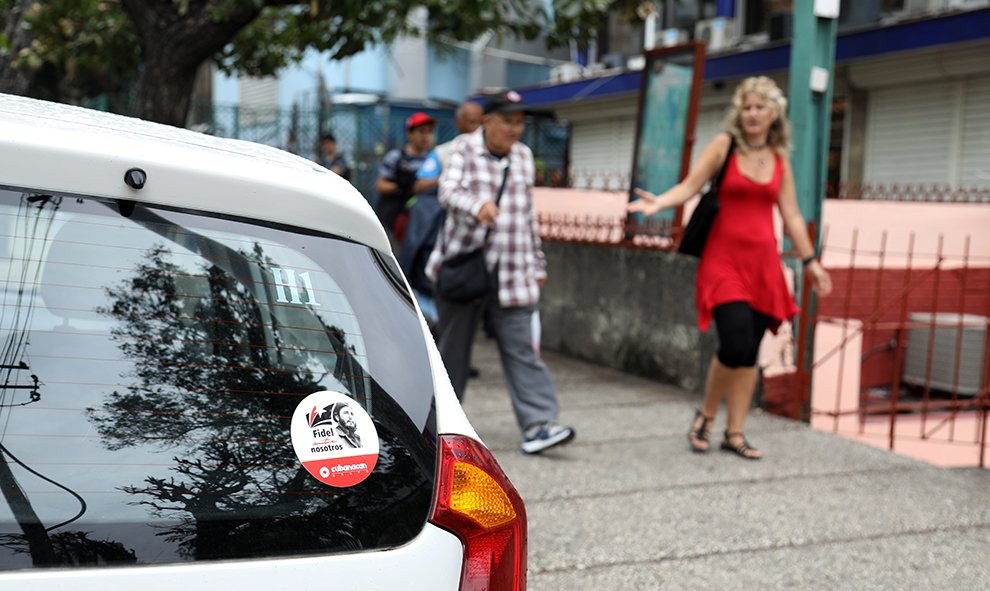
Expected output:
{"points": [[397, 173]]}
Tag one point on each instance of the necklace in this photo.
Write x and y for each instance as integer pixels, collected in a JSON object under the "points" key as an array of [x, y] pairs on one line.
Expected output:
{"points": [[756, 148]]}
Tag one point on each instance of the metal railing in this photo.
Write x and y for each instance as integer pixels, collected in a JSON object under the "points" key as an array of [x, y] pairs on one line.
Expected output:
{"points": [[613, 231], [918, 322], [910, 192], [614, 180]]}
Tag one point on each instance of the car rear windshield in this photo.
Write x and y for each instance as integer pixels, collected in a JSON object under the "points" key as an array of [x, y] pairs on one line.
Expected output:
{"points": [[152, 363]]}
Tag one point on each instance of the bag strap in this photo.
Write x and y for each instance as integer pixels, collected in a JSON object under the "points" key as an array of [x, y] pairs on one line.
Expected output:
{"points": [[498, 199], [725, 163], [501, 189]]}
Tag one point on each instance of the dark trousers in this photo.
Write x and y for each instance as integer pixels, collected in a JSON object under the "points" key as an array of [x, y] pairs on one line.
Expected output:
{"points": [[531, 388]]}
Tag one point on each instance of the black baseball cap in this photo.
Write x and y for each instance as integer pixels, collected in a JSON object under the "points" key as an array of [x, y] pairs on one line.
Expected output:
{"points": [[507, 102]]}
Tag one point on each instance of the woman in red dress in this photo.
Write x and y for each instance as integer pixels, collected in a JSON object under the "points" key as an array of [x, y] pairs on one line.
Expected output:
{"points": [[740, 281]]}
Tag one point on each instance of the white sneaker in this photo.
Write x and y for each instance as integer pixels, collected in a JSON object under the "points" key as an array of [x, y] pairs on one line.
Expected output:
{"points": [[545, 435]]}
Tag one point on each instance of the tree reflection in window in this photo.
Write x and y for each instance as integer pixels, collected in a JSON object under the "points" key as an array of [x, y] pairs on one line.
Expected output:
{"points": [[216, 376]]}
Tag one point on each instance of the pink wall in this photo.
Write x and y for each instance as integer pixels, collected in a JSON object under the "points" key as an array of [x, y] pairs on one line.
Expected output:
{"points": [[928, 222], [841, 219], [579, 202]]}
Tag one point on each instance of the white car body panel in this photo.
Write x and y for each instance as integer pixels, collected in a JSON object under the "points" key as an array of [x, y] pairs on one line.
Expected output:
{"points": [[431, 562], [51, 147], [93, 151]]}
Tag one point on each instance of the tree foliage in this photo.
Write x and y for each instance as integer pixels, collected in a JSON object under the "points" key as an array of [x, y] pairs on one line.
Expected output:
{"points": [[80, 48], [72, 49]]}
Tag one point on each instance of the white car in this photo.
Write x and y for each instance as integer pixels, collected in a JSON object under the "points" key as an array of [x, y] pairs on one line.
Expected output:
{"points": [[216, 377]]}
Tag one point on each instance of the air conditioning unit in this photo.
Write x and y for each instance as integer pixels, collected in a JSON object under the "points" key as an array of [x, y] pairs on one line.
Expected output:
{"points": [[614, 60], [945, 343], [717, 33], [672, 37], [565, 72], [594, 69]]}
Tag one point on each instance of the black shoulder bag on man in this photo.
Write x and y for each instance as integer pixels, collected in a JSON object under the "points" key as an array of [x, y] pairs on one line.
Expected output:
{"points": [[703, 218], [465, 277]]}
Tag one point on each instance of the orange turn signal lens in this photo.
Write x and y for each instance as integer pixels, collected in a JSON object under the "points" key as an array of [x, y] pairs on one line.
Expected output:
{"points": [[477, 496]]}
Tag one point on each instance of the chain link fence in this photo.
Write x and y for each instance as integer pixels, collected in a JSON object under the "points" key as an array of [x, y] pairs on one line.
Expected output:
{"points": [[365, 132]]}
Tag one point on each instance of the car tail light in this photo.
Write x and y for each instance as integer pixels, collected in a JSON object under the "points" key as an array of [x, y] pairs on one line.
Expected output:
{"points": [[477, 503]]}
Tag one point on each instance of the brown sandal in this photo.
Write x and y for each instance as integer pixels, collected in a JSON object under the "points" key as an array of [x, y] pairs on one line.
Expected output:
{"points": [[698, 436], [742, 448]]}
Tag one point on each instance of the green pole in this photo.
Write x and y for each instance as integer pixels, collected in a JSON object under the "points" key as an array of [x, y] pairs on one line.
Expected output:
{"points": [[810, 111]]}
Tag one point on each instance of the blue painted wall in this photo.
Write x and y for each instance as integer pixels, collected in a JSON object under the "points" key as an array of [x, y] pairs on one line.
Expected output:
{"points": [[365, 72], [450, 74], [522, 74], [225, 89], [449, 77]]}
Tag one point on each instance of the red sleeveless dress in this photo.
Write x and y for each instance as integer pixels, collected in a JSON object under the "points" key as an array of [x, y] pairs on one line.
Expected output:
{"points": [[741, 260]]}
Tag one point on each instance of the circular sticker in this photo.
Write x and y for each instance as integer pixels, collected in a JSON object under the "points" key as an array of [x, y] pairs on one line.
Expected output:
{"points": [[334, 438]]}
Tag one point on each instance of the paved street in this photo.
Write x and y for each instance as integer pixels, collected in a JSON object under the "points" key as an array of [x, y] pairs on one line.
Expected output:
{"points": [[628, 506]]}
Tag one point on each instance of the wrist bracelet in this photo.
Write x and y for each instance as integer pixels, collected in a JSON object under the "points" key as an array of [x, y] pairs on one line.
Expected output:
{"points": [[807, 260]]}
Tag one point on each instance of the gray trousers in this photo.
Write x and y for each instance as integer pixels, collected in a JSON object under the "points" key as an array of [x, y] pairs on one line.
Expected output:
{"points": [[531, 389]]}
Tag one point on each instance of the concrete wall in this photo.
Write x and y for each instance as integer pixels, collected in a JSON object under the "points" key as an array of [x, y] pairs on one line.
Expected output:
{"points": [[629, 309]]}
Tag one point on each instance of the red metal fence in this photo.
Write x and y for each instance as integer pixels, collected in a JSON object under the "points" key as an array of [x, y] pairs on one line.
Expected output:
{"points": [[920, 322], [909, 192], [612, 180], [599, 180], [608, 230]]}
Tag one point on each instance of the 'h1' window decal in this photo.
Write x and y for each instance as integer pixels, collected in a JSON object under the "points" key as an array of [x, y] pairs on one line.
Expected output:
{"points": [[286, 278]]}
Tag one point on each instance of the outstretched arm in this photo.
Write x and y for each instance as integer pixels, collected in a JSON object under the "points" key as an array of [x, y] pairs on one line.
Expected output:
{"points": [[708, 164]]}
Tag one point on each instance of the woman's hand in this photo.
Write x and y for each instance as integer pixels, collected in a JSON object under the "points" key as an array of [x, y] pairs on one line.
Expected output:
{"points": [[647, 204], [820, 279]]}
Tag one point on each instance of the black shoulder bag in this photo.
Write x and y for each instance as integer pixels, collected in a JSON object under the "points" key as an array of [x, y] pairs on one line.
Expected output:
{"points": [[465, 276], [703, 218]]}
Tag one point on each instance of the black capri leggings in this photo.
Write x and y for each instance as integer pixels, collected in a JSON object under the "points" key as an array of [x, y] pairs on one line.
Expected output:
{"points": [[740, 330]]}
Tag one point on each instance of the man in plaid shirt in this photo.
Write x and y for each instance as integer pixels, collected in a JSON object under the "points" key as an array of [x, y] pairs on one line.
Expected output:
{"points": [[469, 188]]}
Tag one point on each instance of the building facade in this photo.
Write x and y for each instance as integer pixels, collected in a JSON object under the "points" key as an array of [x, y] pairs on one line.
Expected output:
{"points": [[911, 91]]}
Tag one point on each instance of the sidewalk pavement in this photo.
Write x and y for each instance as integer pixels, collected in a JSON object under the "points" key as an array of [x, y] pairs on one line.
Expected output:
{"points": [[627, 506]]}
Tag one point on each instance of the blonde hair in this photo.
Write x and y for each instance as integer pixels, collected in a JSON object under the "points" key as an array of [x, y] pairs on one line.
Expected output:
{"points": [[779, 137]]}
